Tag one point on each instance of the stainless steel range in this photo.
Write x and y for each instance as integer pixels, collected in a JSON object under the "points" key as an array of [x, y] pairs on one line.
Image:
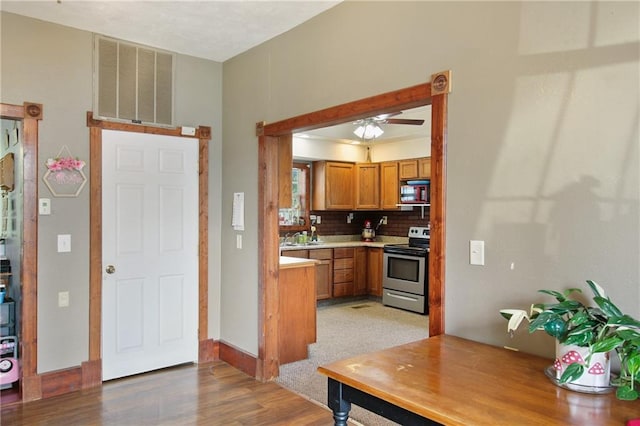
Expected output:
{"points": [[406, 272]]}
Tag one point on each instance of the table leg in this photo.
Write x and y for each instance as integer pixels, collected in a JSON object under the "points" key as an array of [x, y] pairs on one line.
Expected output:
{"points": [[337, 403]]}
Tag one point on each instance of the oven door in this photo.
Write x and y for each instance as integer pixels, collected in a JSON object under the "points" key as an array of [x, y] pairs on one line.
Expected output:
{"points": [[404, 272]]}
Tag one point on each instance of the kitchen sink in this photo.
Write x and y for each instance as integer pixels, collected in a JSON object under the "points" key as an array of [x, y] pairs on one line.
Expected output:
{"points": [[308, 243]]}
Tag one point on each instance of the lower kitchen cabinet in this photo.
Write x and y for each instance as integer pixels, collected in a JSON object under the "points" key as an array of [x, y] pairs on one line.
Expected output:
{"points": [[324, 272], [374, 271], [343, 271], [360, 271]]}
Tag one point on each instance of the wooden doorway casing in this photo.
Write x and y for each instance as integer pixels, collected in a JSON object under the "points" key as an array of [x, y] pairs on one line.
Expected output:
{"points": [[30, 114], [268, 250], [92, 369]]}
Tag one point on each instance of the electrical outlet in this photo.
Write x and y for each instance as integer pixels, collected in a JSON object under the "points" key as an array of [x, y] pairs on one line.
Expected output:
{"points": [[318, 220], [384, 220]]}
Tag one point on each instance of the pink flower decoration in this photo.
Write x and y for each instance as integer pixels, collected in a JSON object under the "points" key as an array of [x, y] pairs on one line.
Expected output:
{"points": [[64, 163], [557, 365]]}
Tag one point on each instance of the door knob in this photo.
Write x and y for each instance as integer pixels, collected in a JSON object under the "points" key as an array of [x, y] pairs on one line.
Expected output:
{"points": [[110, 269]]}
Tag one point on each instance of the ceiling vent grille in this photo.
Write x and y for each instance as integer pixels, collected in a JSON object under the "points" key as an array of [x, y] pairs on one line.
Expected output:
{"points": [[133, 83]]}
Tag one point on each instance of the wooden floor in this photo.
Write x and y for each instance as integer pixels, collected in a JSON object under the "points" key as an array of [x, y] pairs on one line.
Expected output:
{"points": [[208, 394]]}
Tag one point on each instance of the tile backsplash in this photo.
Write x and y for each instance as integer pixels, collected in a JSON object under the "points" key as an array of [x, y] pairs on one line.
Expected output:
{"points": [[398, 222]]}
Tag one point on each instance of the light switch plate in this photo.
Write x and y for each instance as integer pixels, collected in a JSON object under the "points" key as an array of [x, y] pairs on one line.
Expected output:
{"points": [[63, 299], [476, 252], [64, 243], [44, 206]]}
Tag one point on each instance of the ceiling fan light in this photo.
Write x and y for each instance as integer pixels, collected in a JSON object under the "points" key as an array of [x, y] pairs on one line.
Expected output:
{"points": [[368, 131]]}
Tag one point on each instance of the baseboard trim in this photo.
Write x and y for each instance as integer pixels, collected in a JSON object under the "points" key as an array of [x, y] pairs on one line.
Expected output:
{"points": [[60, 382], [208, 350], [237, 358]]}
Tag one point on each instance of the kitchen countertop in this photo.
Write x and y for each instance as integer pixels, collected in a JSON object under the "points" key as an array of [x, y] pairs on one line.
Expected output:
{"points": [[335, 242], [296, 262]]}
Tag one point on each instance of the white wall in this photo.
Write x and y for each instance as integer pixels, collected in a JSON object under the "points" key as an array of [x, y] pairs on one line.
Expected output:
{"points": [[52, 65], [542, 142]]}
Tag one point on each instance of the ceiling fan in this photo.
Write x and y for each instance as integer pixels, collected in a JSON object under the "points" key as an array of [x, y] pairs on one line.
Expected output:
{"points": [[369, 128]]}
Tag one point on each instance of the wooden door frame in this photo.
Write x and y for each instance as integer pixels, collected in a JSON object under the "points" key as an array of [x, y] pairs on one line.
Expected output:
{"points": [[30, 114], [434, 93], [92, 369]]}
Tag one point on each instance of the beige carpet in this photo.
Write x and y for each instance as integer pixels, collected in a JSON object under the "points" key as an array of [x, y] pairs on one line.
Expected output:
{"points": [[347, 330]]}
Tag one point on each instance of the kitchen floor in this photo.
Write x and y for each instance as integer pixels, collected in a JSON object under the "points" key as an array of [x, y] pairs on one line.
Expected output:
{"points": [[346, 330]]}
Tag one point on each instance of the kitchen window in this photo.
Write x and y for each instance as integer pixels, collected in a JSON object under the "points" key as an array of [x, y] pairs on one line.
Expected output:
{"points": [[296, 218]]}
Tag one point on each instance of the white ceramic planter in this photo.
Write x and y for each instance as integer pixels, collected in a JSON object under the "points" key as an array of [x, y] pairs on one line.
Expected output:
{"points": [[596, 374]]}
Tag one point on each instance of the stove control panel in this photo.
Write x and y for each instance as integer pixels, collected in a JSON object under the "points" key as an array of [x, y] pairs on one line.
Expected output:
{"points": [[419, 232]]}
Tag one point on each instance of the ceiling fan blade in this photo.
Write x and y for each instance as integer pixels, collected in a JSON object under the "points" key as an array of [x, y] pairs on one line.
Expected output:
{"points": [[387, 115], [404, 121]]}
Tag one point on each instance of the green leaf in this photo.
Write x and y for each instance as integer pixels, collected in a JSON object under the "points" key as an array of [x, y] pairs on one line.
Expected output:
{"points": [[573, 372], [607, 307], [607, 344], [597, 290], [556, 327], [633, 364], [579, 318], [627, 393], [624, 320], [559, 296], [581, 339]]}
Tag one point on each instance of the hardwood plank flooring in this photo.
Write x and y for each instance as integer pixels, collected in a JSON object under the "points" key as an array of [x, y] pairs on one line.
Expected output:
{"points": [[207, 394]]}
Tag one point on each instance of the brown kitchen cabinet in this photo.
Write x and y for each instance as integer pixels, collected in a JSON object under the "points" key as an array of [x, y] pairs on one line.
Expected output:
{"points": [[297, 310], [324, 272], [333, 186], [343, 271], [389, 185], [360, 271], [367, 186], [304, 254], [415, 168], [374, 271], [424, 168]]}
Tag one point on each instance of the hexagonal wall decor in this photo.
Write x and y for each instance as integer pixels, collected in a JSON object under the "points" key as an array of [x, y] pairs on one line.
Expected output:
{"points": [[64, 176]]}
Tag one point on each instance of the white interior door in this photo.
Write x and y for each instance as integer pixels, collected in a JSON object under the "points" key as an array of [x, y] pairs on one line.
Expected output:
{"points": [[149, 252]]}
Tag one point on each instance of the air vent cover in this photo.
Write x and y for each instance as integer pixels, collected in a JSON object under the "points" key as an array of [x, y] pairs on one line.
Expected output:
{"points": [[133, 83]]}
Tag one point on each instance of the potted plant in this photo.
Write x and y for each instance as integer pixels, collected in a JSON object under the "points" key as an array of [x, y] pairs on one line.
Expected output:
{"points": [[597, 329]]}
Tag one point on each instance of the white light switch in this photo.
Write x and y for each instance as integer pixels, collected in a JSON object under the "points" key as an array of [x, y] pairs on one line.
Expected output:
{"points": [[476, 252], [63, 299], [64, 243], [44, 206], [239, 241]]}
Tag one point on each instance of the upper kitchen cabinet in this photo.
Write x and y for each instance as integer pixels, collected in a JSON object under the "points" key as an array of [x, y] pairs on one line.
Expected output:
{"points": [[424, 168], [417, 168], [333, 186], [367, 183], [389, 184]]}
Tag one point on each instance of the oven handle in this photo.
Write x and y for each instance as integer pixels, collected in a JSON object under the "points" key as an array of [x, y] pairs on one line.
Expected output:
{"points": [[397, 296]]}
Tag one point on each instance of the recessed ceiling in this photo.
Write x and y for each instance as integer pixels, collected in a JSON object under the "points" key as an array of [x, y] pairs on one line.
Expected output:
{"points": [[215, 30]]}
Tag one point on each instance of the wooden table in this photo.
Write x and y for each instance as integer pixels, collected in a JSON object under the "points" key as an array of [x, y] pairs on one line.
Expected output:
{"points": [[453, 381]]}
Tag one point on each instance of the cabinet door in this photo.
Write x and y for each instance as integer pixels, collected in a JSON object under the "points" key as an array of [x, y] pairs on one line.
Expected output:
{"points": [[360, 271], [343, 271], [374, 271], [367, 184], [408, 169], [424, 168], [324, 276], [389, 185], [333, 187], [324, 272]]}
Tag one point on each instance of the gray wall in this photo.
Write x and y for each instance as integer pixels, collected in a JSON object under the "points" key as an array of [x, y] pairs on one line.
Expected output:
{"points": [[542, 144], [52, 65]]}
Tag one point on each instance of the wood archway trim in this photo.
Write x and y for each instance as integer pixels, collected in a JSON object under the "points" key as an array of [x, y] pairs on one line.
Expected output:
{"points": [[30, 114], [268, 138], [92, 369]]}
